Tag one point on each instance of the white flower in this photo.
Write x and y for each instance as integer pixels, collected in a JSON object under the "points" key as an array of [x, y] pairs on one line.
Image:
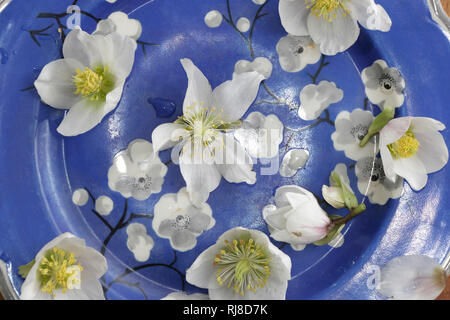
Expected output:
{"points": [[137, 171], [412, 277], [119, 22], [181, 295], [89, 80], [261, 65], [139, 242], [177, 219], [208, 152], [292, 161], [295, 53], [412, 147], [350, 130], [260, 135], [332, 24], [384, 85], [316, 98], [334, 194], [372, 181], [242, 264], [75, 276], [296, 217]]}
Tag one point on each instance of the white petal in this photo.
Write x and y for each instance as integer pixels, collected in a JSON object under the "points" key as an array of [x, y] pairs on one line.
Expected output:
{"points": [[423, 124], [413, 170], [55, 86], [235, 96], [202, 273], [201, 178], [199, 90], [280, 194], [162, 136], [412, 277], [335, 36], [333, 196], [82, 117], [123, 53], [432, 151], [31, 289], [113, 50], [388, 163], [394, 130], [91, 286], [370, 15], [233, 162], [293, 15]]}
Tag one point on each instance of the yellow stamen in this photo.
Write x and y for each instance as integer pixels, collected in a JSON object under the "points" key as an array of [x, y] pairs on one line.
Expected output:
{"points": [[93, 84], [58, 270], [242, 266], [405, 147], [326, 9]]}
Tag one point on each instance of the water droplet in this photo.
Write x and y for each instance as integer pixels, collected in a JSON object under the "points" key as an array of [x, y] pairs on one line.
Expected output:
{"points": [[3, 56], [164, 108]]}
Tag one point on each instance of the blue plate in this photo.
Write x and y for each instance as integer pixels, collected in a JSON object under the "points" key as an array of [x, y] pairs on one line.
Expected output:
{"points": [[41, 169]]}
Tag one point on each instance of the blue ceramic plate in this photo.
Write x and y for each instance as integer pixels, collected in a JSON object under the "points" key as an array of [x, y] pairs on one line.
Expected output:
{"points": [[40, 169]]}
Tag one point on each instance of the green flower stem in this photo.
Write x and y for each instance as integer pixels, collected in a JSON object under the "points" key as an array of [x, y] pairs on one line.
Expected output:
{"points": [[353, 213], [378, 123]]}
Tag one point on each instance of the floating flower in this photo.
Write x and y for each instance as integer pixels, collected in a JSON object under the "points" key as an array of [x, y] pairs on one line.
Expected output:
{"points": [[351, 128], [177, 219], [412, 147], [292, 161], [139, 242], [181, 295], [260, 135], [412, 277], [384, 85], [296, 218], [334, 194], [64, 269], [208, 152], [242, 264], [137, 171], [261, 65], [316, 98], [372, 181], [339, 194], [295, 53], [89, 80], [332, 24], [119, 22]]}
